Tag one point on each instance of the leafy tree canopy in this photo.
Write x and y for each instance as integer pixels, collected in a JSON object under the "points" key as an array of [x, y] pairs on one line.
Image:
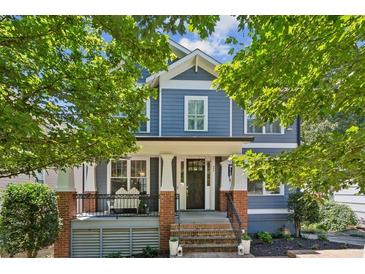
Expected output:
{"points": [[312, 67], [65, 79]]}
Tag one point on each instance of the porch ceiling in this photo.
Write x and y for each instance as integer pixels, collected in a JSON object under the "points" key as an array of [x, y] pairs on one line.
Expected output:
{"points": [[191, 145]]}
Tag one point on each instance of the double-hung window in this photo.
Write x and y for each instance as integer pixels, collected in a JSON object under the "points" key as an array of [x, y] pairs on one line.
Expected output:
{"points": [[196, 113], [258, 188], [144, 127], [128, 174], [269, 128]]}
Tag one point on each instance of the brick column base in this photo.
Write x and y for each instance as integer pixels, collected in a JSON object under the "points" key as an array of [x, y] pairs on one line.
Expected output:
{"points": [[90, 203], [240, 202], [167, 217], [223, 200], [67, 211]]}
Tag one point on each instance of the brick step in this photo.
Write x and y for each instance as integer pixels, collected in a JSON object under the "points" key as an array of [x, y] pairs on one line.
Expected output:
{"points": [[202, 232], [209, 247], [201, 226], [207, 240]]}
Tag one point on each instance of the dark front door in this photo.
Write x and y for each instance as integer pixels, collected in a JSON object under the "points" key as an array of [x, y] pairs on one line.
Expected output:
{"points": [[195, 179]]}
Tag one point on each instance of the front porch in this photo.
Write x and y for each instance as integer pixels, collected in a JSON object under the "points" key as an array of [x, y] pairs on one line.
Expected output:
{"points": [[187, 186]]}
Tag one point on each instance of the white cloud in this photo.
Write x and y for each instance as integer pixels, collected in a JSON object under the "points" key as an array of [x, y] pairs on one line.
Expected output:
{"points": [[215, 44]]}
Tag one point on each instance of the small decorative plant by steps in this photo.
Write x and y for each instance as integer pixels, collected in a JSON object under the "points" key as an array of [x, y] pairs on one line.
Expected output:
{"points": [[173, 244], [246, 242]]}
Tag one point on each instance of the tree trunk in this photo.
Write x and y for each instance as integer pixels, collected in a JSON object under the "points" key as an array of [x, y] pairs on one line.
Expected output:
{"points": [[298, 233]]}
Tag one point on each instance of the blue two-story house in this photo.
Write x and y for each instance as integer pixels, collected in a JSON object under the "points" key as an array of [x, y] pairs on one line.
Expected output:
{"points": [[184, 149]]}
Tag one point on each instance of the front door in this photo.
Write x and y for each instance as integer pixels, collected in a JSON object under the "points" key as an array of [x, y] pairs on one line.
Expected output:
{"points": [[195, 181]]}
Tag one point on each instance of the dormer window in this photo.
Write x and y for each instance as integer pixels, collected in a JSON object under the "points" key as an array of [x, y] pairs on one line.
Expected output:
{"points": [[196, 113]]}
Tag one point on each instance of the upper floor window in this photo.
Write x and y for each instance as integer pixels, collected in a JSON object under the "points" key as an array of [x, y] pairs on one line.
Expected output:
{"points": [[251, 127], [196, 113], [258, 188], [144, 127]]}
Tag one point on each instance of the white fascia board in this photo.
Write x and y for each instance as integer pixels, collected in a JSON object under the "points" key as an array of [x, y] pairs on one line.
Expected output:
{"points": [[191, 56], [270, 145], [178, 46]]}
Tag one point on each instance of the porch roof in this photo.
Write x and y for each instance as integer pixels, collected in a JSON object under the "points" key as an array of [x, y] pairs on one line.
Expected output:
{"points": [[191, 145]]}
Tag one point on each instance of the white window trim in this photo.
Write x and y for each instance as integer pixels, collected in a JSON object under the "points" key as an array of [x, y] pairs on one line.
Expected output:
{"points": [[147, 159], [186, 104], [266, 193], [263, 128], [148, 115]]}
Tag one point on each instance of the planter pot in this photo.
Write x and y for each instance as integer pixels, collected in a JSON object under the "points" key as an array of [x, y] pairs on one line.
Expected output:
{"points": [[246, 245], [173, 247]]}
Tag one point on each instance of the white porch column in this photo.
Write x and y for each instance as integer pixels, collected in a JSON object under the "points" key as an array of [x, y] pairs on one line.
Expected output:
{"points": [[166, 180], [239, 179], [65, 181], [225, 183], [90, 182]]}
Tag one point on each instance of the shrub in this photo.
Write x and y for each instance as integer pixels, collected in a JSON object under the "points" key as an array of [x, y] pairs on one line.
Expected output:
{"points": [[29, 219], [336, 217], [304, 210], [265, 237], [246, 237], [149, 252]]}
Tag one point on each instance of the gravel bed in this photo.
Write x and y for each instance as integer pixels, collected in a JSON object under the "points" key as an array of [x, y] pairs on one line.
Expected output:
{"points": [[279, 247]]}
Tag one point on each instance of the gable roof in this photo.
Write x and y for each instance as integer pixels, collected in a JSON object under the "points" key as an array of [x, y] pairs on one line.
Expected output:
{"points": [[178, 49], [199, 55]]}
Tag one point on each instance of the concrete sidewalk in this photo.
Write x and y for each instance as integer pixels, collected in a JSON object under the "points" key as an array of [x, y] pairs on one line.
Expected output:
{"points": [[338, 253]]}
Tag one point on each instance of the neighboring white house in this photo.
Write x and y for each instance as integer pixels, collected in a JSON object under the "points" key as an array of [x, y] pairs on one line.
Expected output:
{"points": [[48, 177], [352, 199]]}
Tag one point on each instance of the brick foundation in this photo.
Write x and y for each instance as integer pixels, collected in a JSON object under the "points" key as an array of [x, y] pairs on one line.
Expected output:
{"points": [[241, 204], [67, 210], [167, 217], [223, 200], [90, 203]]}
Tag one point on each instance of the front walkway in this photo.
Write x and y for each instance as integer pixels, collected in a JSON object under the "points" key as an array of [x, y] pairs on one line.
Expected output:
{"points": [[203, 217], [354, 237], [215, 255]]}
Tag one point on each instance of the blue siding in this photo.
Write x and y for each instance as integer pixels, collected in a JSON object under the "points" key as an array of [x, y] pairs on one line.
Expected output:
{"points": [[237, 120], [269, 222], [173, 112], [154, 119], [190, 74]]}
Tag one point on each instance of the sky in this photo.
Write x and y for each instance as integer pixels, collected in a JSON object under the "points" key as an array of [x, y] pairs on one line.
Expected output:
{"points": [[215, 45]]}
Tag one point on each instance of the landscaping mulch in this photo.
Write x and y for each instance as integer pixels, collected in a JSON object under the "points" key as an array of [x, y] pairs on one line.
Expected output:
{"points": [[280, 247]]}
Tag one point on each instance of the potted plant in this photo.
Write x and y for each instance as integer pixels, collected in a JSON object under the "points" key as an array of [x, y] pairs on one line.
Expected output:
{"points": [[173, 244], [246, 242]]}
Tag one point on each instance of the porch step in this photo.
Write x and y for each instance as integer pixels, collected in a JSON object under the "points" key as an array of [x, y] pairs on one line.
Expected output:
{"points": [[205, 237], [202, 226], [207, 240], [209, 247], [202, 232]]}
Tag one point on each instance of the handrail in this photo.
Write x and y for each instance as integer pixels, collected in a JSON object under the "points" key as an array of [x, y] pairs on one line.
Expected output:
{"points": [[234, 218], [177, 211]]}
